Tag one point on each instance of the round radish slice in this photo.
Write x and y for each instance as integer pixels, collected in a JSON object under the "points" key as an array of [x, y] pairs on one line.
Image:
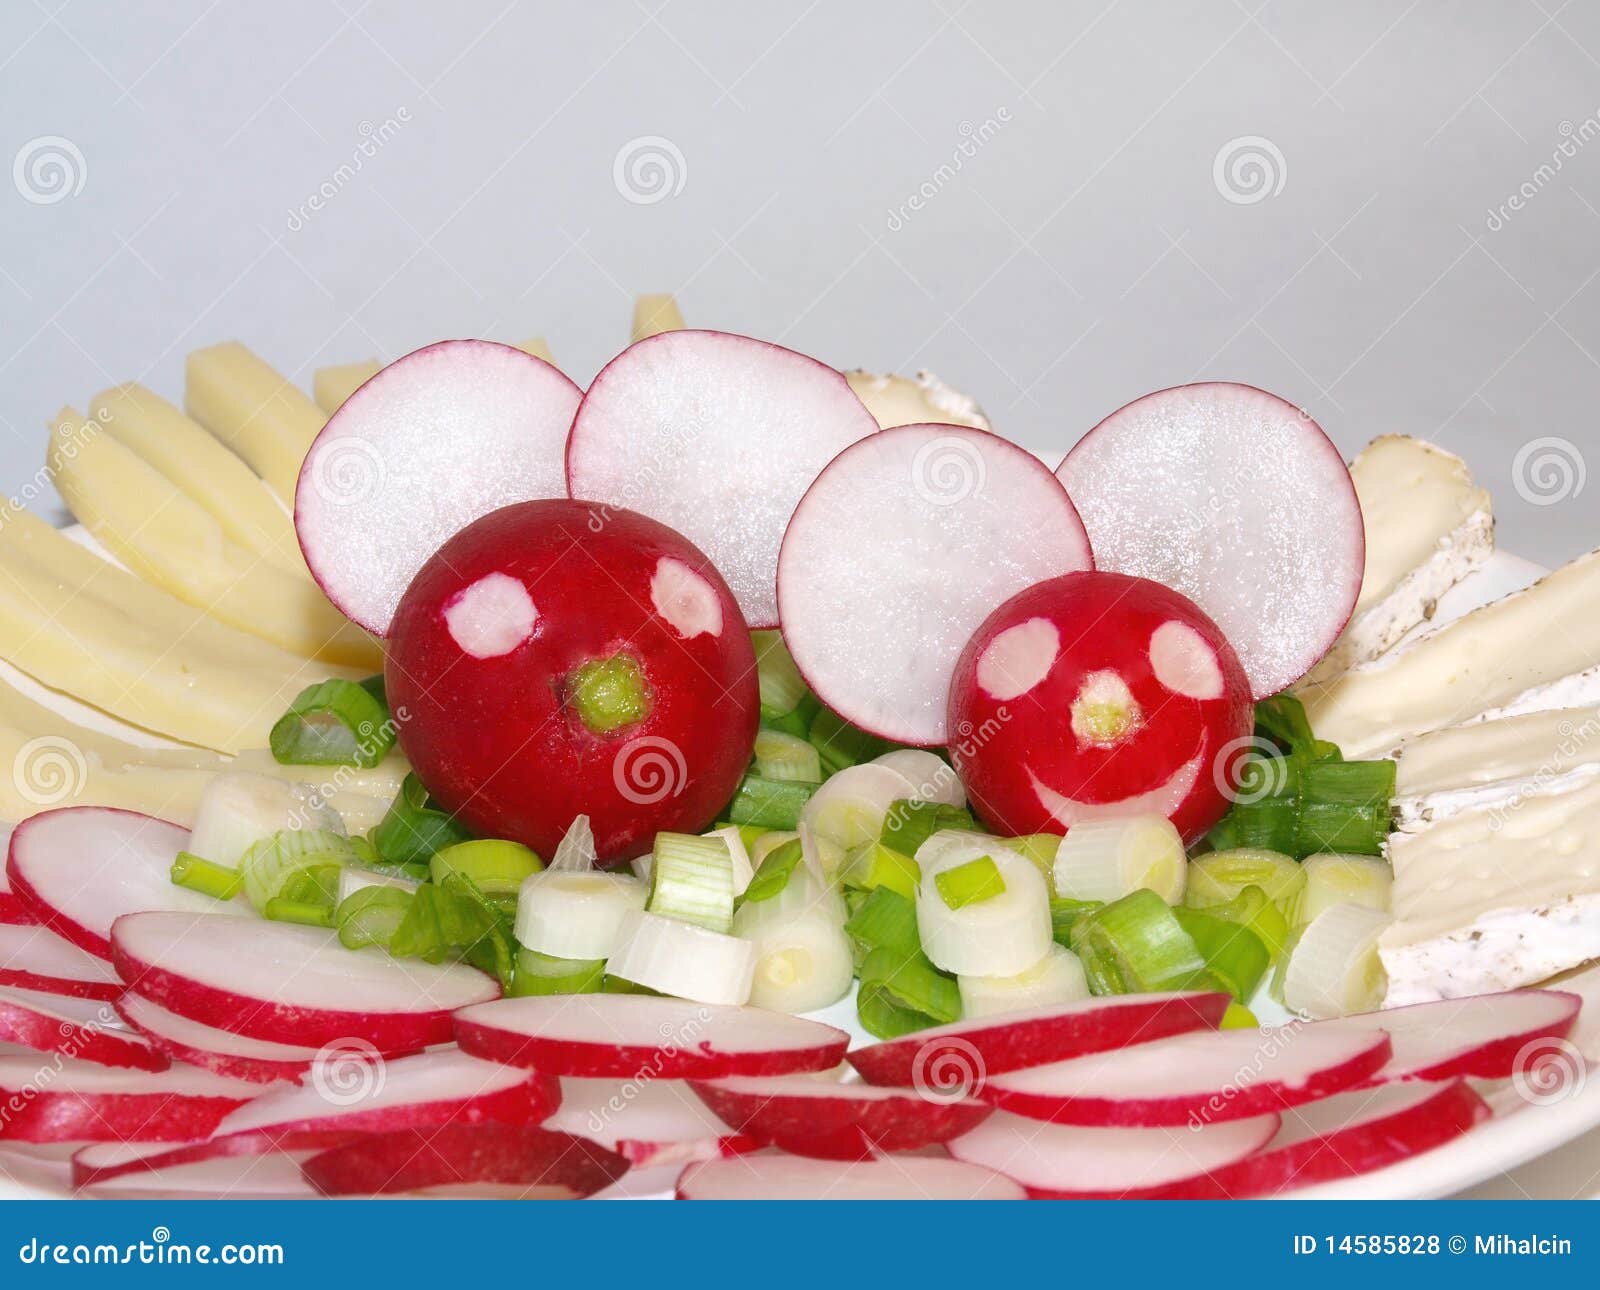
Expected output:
{"points": [[1342, 1137], [653, 1123], [955, 1059], [78, 1101], [218, 1051], [717, 436], [12, 908], [35, 958], [615, 1036], [1238, 500], [1074, 1162], [901, 547], [512, 1162], [83, 867], [290, 984], [85, 1028], [433, 441], [1194, 1079], [774, 1176], [818, 1116]]}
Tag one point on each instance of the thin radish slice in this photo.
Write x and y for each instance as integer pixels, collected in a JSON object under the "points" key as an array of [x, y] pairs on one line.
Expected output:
{"points": [[77, 1101], [717, 436], [652, 1123], [271, 1176], [219, 1051], [1069, 1161], [290, 984], [955, 1059], [898, 551], [83, 867], [1343, 1136], [12, 908], [818, 1116], [513, 1162], [101, 1162], [438, 438], [1194, 1079], [774, 1176], [35, 958], [83, 1028], [616, 1036], [1237, 499], [353, 1090]]}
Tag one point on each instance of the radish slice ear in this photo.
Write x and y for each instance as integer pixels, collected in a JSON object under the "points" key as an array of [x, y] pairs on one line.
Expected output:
{"points": [[717, 436], [1237, 499], [896, 554], [433, 441]]}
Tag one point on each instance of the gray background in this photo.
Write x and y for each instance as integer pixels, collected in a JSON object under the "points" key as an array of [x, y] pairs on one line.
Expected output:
{"points": [[1083, 251]]}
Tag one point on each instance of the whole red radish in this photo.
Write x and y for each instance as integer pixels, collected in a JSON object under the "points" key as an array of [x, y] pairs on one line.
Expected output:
{"points": [[556, 659], [1097, 694]]}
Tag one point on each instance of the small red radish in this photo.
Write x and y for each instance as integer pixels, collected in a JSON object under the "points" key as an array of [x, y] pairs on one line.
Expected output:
{"points": [[35, 958], [1075, 1162], [219, 1051], [554, 660], [290, 984], [957, 1058], [83, 1028], [1196, 1079], [1238, 500], [82, 867], [653, 1123], [1341, 1137], [771, 1175], [897, 552], [467, 1159], [1096, 695], [616, 1036], [719, 436], [819, 1116], [436, 439], [65, 1100]]}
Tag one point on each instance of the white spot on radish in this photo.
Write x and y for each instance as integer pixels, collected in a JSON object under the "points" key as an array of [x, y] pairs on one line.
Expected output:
{"points": [[1184, 661], [1163, 799], [685, 599], [491, 617], [1018, 658]]}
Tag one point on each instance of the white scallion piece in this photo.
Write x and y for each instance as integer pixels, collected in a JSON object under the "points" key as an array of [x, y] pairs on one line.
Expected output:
{"points": [[785, 756], [1056, 978], [683, 959], [803, 955], [353, 879], [1106, 859], [1333, 879], [575, 853], [1001, 936], [569, 915], [935, 779], [744, 868], [1334, 969], [767, 843], [237, 809], [691, 879], [850, 807]]}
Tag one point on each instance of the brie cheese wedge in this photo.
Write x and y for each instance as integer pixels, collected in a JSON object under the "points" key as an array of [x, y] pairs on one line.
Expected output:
{"points": [[904, 401]]}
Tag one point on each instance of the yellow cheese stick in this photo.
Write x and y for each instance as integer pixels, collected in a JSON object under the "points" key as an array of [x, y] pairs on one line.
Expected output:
{"points": [[331, 386], [536, 346], [254, 410], [654, 314], [208, 473], [76, 623], [136, 514]]}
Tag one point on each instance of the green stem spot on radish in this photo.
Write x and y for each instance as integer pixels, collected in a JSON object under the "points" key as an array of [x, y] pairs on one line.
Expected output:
{"points": [[1105, 711], [609, 693]]}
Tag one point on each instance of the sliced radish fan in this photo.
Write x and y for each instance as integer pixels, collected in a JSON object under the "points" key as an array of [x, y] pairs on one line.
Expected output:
{"points": [[653, 1123], [78, 1101], [219, 1051], [772, 1176], [35, 958], [83, 1028]]}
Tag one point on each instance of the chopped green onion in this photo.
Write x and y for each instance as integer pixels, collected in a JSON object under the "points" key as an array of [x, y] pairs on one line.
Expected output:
{"points": [[783, 756], [840, 744], [1254, 909], [1040, 849], [541, 974], [879, 865], [1234, 954], [1064, 916], [1136, 944], [1334, 826], [1350, 783], [1282, 719], [199, 874], [775, 871], [1238, 1017], [333, 723], [294, 864], [371, 916], [691, 879], [1219, 876], [456, 921], [496, 867], [280, 910], [782, 686], [1272, 823], [769, 803], [377, 688], [970, 884], [911, 823], [1333, 879], [901, 993], [414, 828], [885, 920]]}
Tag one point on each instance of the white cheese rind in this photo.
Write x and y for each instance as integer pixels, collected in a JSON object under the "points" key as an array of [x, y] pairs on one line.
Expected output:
{"points": [[903, 400]]}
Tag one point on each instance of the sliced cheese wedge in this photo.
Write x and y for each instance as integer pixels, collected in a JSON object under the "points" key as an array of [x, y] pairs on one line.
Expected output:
{"points": [[905, 400], [253, 409], [536, 346], [652, 315], [1428, 526], [1533, 650], [331, 386], [157, 532]]}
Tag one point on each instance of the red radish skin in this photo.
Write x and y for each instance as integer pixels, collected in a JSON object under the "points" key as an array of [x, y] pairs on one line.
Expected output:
{"points": [[219, 1051], [652, 1123], [719, 436], [438, 438], [487, 660], [290, 984], [771, 1175], [895, 555], [12, 909], [102, 1162], [35, 958], [958, 1057], [1195, 1079], [81, 1028], [77, 1101], [274, 1176], [82, 867], [1072, 1162], [1342, 1137], [1095, 695], [815, 1116], [534, 1163], [627, 1036], [1237, 499]]}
